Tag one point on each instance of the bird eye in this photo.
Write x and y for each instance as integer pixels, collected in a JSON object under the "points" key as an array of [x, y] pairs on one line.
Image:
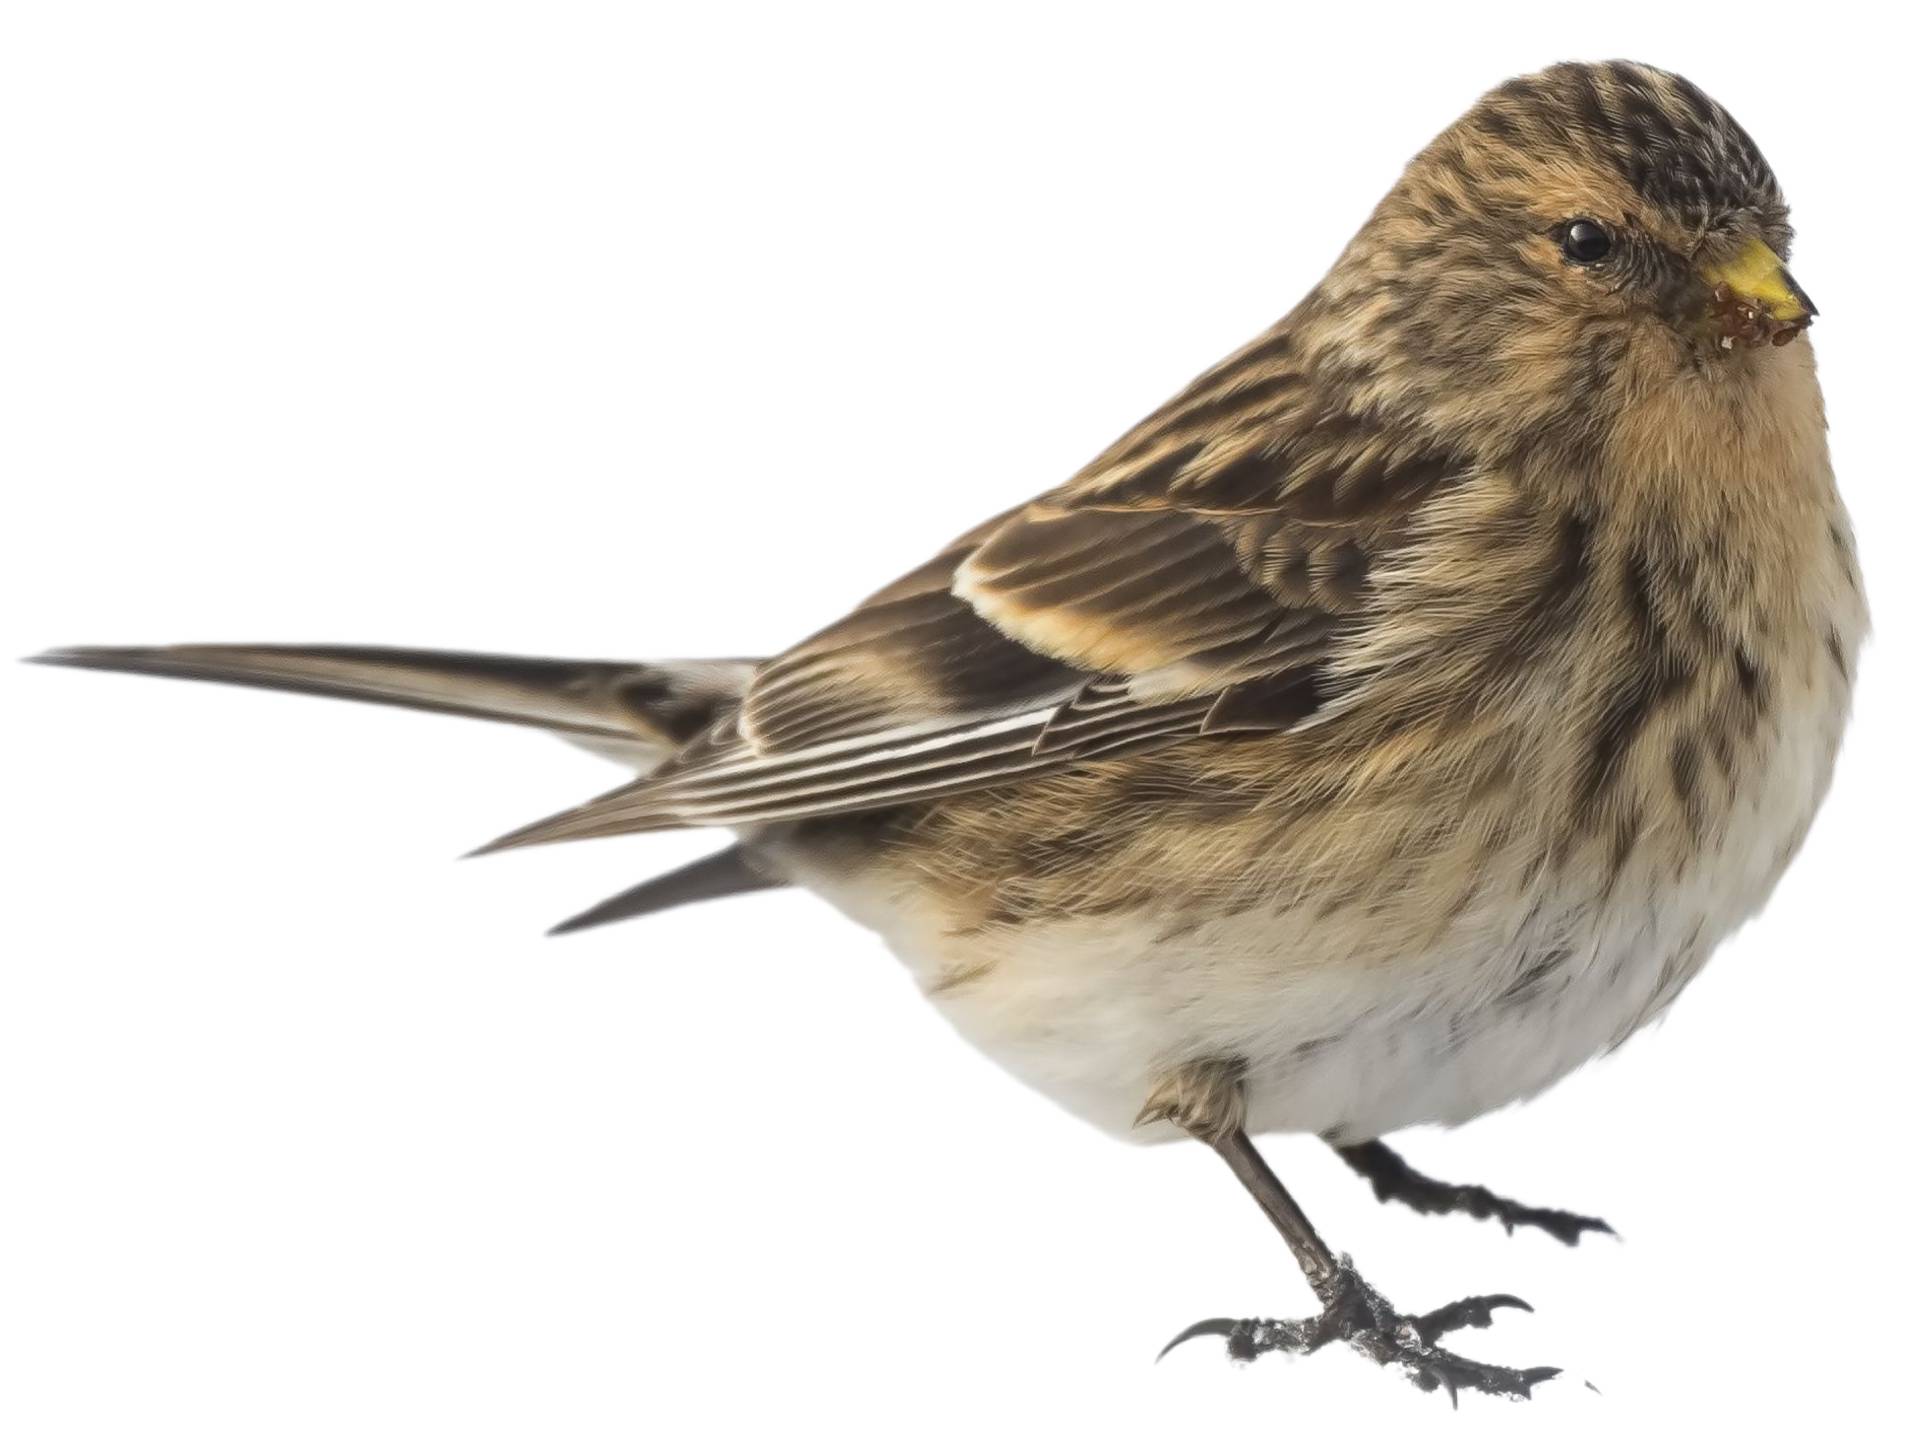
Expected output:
{"points": [[1585, 242]]}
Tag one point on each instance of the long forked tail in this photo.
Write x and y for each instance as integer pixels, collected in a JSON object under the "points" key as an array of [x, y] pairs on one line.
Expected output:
{"points": [[634, 713]]}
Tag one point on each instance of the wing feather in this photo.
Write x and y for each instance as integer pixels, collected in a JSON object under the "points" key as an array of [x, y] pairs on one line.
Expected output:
{"points": [[1196, 581]]}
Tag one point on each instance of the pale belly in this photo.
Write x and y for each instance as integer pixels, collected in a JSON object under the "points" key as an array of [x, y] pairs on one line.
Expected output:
{"points": [[1093, 1014], [1341, 1029]]}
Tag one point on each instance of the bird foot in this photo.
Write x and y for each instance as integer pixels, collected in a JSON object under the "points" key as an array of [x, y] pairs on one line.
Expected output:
{"points": [[1357, 1315], [1394, 1179]]}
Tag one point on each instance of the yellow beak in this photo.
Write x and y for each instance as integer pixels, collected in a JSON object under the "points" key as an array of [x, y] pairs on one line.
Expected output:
{"points": [[1756, 276]]}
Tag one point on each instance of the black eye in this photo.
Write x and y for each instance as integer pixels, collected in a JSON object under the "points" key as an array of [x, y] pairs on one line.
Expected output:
{"points": [[1584, 241]]}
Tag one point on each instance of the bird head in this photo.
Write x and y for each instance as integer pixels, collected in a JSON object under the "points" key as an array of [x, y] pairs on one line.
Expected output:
{"points": [[1582, 235]]}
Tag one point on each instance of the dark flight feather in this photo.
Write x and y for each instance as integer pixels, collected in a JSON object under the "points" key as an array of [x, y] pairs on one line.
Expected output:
{"points": [[723, 874]]}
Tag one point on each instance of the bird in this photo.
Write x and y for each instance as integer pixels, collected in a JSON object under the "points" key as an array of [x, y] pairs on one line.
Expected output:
{"points": [[1392, 722]]}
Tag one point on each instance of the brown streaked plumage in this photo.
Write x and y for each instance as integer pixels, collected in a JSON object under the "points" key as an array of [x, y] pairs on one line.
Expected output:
{"points": [[1394, 720]]}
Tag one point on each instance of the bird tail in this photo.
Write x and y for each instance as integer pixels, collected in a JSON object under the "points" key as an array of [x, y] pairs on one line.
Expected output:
{"points": [[635, 713]]}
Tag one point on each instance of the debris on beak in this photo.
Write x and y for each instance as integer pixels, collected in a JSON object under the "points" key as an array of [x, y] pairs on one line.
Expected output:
{"points": [[1740, 323], [1753, 300]]}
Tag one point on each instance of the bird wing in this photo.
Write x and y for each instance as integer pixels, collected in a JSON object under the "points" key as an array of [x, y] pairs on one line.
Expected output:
{"points": [[1195, 580]]}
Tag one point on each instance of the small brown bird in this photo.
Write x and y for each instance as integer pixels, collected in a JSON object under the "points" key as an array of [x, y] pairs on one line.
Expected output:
{"points": [[1394, 720]]}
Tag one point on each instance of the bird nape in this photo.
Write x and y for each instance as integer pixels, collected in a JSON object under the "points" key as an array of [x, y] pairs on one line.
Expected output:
{"points": [[1393, 721]]}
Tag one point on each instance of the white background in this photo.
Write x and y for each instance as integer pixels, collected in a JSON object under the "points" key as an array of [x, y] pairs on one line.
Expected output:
{"points": [[657, 330]]}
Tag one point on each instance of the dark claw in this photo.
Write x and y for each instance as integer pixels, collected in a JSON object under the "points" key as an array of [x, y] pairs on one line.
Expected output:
{"points": [[1565, 1226], [1222, 1326], [1539, 1375], [1251, 1339], [1477, 1312]]}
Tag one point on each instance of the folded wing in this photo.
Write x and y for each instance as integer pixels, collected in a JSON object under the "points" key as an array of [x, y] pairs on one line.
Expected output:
{"points": [[1195, 581]]}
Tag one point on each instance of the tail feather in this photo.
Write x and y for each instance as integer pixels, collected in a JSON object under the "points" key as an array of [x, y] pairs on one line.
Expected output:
{"points": [[723, 874], [637, 713]]}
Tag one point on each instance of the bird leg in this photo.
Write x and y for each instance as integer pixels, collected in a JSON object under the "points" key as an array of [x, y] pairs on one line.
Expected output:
{"points": [[1206, 1100], [1394, 1179]]}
